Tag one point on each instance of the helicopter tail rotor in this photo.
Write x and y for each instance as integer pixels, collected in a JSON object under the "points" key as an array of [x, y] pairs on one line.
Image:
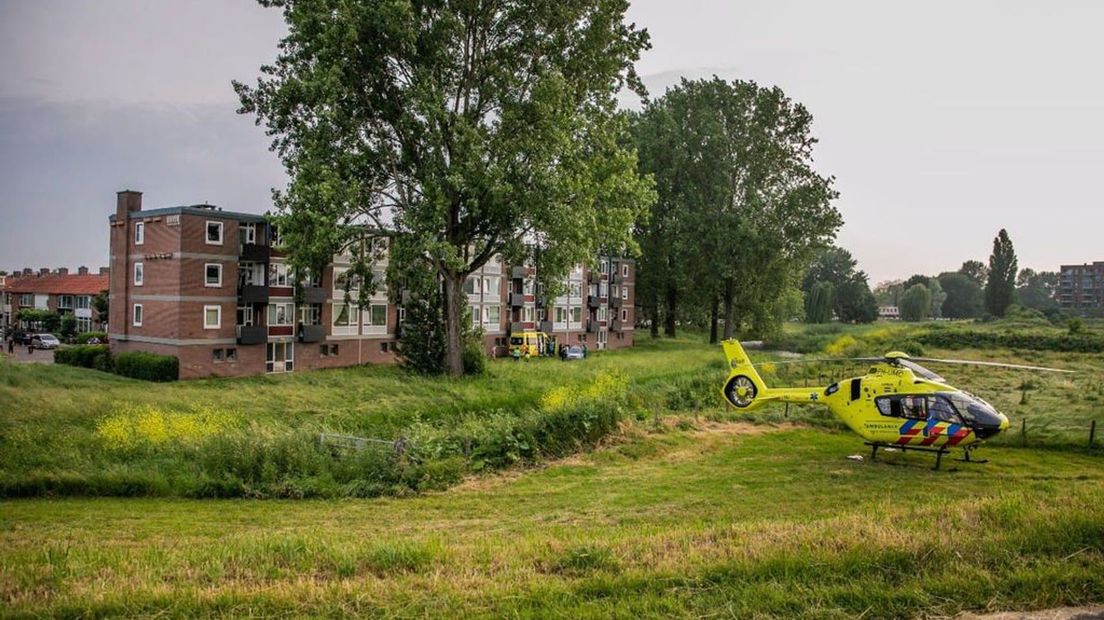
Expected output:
{"points": [[744, 383]]}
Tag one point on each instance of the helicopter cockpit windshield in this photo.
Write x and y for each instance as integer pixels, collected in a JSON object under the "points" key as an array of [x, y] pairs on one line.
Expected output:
{"points": [[920, 371], [980, 415]]}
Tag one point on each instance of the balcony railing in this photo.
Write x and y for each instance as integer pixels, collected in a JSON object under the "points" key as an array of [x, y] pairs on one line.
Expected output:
{"points": [[594, 301], [616, 302], [616, 325], [314, 295], [252, 334], [253, 294], [255, 253], [592, 327], [517, 272], [312, 333], [516, 300], [546, 327]]}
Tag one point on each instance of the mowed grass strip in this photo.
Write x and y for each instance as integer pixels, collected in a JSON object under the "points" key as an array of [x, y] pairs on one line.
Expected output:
{"points": [[722, 519]]}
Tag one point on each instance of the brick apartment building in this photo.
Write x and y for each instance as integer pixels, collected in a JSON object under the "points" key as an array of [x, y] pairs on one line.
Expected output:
{"points": [[54, 290], [212, 288], [1081, 289]]}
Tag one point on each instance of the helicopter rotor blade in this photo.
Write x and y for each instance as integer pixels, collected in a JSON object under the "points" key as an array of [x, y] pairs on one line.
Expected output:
{"points": [[932, 360], [817, 360]]}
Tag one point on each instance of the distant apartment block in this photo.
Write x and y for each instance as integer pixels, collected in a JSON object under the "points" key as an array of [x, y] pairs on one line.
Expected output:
{"points": [[1081, 289], [213, 288], [54, 290]]}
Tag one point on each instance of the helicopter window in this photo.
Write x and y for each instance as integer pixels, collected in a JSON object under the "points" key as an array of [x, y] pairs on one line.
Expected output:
{"points": [[916, 407]]}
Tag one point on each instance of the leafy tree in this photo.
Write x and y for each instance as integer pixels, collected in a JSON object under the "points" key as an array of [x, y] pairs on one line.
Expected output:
{"points": [[101, 303], [1036, 290], [889, 292], [976, 271], [1000, 288], [854, 302], [733, 164], [832, 264], [914, 280], [67, 326], [38, 319], [965, 299], [939, 296], [819, 302], [915, 303], [466, 129]]}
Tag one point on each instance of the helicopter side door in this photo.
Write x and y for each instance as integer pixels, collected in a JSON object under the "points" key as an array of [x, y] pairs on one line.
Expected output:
{"points": [[928, 420]]}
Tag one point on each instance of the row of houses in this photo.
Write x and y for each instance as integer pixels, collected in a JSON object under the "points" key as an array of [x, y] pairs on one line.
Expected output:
{"points": [[214, 289], [52, 290]]}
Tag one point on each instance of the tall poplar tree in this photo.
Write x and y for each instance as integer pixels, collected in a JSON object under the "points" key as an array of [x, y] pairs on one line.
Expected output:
{"points": [[467, 128], [1000, 287]]}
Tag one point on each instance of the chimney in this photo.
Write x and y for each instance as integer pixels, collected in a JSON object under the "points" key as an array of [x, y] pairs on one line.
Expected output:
{"points": [[44, 271], [105, 271], [82, 270], [127, 201], [63, 271], [27, 271]]}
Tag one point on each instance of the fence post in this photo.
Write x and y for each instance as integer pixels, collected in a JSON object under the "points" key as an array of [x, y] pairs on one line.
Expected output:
{"points": [[1092, 433], [1023, 432]]}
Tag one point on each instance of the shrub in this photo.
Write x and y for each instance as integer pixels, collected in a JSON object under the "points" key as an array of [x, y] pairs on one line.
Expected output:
{"points": [[86, 336], [84, 356], [147, 366]]}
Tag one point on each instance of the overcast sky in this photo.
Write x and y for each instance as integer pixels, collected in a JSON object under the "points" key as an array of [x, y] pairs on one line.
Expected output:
{"points": [[942, 121]]}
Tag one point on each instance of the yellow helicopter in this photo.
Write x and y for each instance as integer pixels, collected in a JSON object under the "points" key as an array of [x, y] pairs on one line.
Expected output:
{"points": [[897, 403]]}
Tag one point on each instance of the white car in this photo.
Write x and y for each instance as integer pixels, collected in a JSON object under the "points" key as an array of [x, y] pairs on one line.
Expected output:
{"points": [[45, 341]]}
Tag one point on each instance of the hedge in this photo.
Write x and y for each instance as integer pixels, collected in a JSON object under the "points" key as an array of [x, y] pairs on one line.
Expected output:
{"points": [[86, 356], [86, 336], [147, 366], [976, 339]]}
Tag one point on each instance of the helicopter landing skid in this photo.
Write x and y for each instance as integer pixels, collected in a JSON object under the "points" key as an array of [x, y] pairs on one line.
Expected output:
{"points": [[939, 452], [966, 457]]}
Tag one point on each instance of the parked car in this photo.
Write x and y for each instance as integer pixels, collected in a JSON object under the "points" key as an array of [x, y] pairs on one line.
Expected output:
{"points": [[574, 352], [45, 341]]}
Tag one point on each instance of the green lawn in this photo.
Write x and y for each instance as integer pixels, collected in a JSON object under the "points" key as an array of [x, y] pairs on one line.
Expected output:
{"points": [[725, 519], [687, 509]]}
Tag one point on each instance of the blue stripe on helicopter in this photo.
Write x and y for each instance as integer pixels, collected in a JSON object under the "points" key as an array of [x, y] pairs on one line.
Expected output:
{"points": [[907, 426]]}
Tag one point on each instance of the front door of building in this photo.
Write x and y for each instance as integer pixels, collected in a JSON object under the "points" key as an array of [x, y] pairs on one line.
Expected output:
{"points": [[603, 336]]}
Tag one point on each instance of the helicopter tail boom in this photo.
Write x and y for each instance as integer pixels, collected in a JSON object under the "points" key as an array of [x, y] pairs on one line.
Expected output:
{"points": [[745, 389]]}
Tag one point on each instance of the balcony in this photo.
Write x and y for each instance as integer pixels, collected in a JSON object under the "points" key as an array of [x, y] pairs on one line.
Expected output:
{"points": [[314, 295], [616, 302], [546, 327], [516, 300], [253, 294], [312, 333], [252, 334], [518, 272], [516, 327], [593, 301], [255, 253], [616, 325], [592, 326]]}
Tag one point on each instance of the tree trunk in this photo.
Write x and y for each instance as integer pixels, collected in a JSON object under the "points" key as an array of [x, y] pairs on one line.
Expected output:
{"points": [[714, 317], [454, 305], [654, 312], [729, 310], [671, 314]]}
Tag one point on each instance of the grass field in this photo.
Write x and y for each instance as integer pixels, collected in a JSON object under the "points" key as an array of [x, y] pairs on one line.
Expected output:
{"points": [[686, 509]]}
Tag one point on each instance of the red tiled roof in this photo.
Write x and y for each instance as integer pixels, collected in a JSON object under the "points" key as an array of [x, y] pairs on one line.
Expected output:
{"points": [[55, 284]]}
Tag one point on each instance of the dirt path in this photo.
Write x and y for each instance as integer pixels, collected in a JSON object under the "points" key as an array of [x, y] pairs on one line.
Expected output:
{"points": [[1092, 612]]}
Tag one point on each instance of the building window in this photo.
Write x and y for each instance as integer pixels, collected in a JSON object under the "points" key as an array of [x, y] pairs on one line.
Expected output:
{"points": [[376, 315], [214, 233], [231, 355], [279, 357], [491, 316], [281, 314], [251, 274], [624, 314], [576, 314], [84, 324], [333, 350], [278, 275], [625, 293], [310, 314], [84, 302], [323, 350], [475, 316], [65, 302], [470, 285], [245, 315], [249, 233], [139, 274], [26, 299], [139, 233], [624, 270], [212, 275], [344, 315], [172, 220], [212, 317], [137, 315], [217, 355], [603, 266]]}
